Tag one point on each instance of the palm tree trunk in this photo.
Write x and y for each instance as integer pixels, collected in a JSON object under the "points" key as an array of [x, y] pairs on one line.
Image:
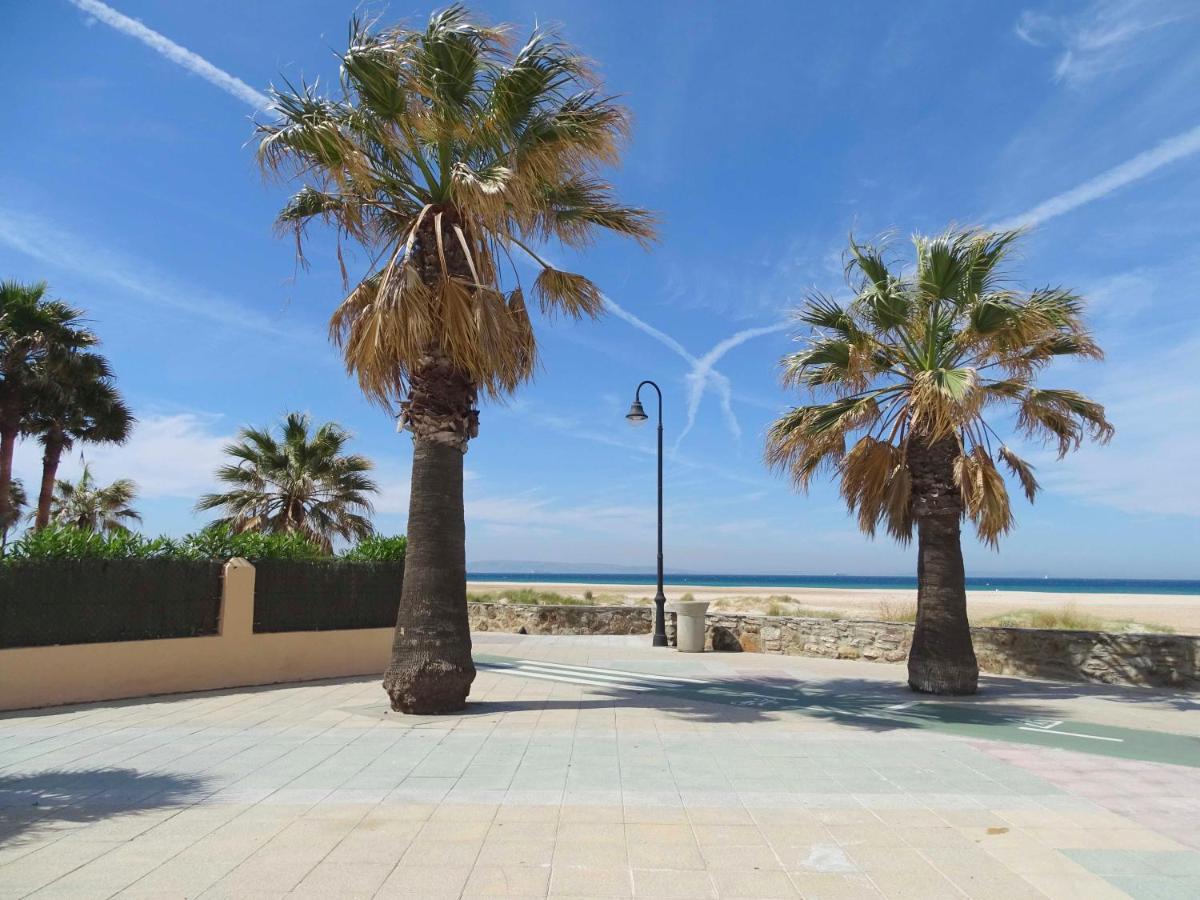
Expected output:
{"points": [[8, 445], [431, 669], [942, 658], [50, 459]]}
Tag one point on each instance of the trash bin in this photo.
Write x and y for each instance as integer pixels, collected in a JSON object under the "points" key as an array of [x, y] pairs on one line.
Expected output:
{"points": [[689, 624]]}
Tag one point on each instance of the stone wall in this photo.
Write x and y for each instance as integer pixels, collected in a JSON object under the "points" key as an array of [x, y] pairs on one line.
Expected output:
{"points": [[512, 617], [1157, 660]]}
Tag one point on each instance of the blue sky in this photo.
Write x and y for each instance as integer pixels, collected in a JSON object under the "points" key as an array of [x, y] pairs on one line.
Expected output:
{"points": [[763, 134]]}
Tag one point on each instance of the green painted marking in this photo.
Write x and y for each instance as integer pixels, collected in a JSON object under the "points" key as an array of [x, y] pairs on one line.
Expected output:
{"points": [[941, 716]]}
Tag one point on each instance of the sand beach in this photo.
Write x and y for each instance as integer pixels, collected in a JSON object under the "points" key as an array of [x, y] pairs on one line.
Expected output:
{"points": [[1178, 612]]}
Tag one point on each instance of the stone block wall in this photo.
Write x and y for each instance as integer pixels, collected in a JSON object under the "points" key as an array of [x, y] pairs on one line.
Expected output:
{"points": [[1156, 660]]}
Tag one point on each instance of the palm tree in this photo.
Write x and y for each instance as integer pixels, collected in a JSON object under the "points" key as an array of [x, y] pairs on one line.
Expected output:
{"points": [[16, 507], [31, 327], [913, 363], [75, 400], [92, 507], [302, 483], [446, 151]]}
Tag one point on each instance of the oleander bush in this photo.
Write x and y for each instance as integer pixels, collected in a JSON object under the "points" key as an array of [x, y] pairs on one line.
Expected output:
{"points": [[216, 543]]}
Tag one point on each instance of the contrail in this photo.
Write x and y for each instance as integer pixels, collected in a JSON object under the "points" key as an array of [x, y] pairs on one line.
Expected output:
{"points": [[1145, 163], [181, 56], [702, 372]]}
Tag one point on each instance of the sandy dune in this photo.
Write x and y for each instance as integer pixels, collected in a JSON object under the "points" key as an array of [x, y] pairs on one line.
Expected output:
{"points": [[1179, 612]]}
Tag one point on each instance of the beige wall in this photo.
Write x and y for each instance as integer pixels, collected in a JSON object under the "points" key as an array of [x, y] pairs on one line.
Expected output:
{"points": [[77, 673]]}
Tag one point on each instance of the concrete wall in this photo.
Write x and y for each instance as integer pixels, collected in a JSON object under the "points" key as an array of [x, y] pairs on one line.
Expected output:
{"points": [[76, 673]]}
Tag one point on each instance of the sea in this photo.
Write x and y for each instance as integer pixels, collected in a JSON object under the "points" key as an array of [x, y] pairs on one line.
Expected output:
{"points": [[977, 583]]}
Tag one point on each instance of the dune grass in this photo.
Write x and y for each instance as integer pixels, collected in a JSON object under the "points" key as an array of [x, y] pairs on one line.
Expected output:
{"points": [[529, 597], [897, 612], [533, 597], [1069, 618]]}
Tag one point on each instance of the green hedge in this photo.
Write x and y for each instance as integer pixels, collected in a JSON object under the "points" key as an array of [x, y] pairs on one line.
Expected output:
{"points": [[67, 586], [294, 595], [86, 601], [216, 543]]}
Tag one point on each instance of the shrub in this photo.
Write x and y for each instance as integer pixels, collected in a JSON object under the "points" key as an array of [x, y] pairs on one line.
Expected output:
{"points": [[378, 548], [68, 542], [221, 542]]}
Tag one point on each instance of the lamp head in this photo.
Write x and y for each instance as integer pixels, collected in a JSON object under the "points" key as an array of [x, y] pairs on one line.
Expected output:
{"points": [[636, 414]]}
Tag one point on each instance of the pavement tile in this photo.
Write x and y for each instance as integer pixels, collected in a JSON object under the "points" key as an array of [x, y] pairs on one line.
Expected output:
{"points": [[672, 884], [830, 886], [761, 885], [508, 881], [311, 787], [581, 881]]}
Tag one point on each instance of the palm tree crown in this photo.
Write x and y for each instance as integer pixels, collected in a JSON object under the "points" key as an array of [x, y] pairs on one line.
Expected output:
{"points": [[446, 150], [74, 399], [16, 507], [93, 507], [922, 356], [301, 483], [32, 327]]}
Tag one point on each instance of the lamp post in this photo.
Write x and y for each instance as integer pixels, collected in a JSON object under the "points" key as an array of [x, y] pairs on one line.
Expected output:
{"points": [[636, 416]]}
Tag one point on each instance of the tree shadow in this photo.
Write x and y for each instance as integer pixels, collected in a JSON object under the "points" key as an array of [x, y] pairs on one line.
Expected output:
{"points": [[32, 804]]}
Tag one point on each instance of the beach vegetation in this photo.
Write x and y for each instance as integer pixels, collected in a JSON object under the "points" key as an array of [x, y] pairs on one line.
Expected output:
{"points": [[447, 150], [88, 506], [15, 509], [1070, 618], [75, 401], [36, 332], [905, 376], [299, 482]]}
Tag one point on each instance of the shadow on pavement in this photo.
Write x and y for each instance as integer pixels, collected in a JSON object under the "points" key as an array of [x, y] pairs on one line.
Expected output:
{"points": [[33, 804]]}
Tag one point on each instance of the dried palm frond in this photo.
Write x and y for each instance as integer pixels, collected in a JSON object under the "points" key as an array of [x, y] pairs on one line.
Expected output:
{"points": [[925, 353]]}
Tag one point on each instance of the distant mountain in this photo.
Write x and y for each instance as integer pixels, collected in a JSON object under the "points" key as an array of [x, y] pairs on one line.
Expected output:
{"points": [[529, 567]]}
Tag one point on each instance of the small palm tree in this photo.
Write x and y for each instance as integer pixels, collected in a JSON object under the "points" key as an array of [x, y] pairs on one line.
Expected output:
{"points": [[75, 400], [16, 508], [301, 483], [86, 505], [913, 363], [32, 326], [447, 151]]}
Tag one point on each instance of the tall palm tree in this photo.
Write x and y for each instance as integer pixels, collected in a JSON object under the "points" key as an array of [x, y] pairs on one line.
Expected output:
{"points": [[446, 151], [912, 363], [93, 507], [75, 400], [302, 483], [16, 507], [31, 326]]}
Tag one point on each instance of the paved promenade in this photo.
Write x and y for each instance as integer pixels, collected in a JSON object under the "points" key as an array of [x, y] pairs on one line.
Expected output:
{"points": [[599, 767]]}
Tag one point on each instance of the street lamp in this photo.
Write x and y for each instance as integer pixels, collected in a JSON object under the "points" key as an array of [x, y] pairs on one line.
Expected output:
{"points": [[636, 416]]}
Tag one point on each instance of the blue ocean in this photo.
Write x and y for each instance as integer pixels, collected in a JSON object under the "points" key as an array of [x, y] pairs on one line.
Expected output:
{"points": [[1047, 585]]}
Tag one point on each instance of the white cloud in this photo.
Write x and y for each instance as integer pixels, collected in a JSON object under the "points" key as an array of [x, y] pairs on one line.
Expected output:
{"points": [[1150, 465], [1146, 163], [171, 455], [48, 243], [1104, 36], [181, 56]]}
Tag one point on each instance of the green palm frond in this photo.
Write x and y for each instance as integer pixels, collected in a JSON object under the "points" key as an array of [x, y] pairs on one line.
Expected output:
{"points": [[447, 150], [300, 481], [916, 358]]}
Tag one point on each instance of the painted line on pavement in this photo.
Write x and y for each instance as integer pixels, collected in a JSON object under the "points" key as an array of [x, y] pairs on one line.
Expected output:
{"points": [[588, 670], [1094, 737]]}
